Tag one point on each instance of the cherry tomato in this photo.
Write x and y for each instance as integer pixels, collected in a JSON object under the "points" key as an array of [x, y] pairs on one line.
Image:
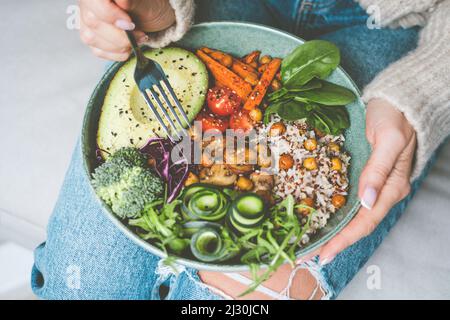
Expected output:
{"points": [[241, 120], [222, 101], [212, 122]]}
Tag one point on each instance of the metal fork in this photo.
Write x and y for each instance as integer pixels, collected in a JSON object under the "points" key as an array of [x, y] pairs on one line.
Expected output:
{"points": [[150, 76]]}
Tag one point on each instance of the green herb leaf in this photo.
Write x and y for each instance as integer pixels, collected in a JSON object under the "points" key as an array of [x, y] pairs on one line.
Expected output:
{"points": [[272, 109], [313, 59], [285, 93], [329, 94]]}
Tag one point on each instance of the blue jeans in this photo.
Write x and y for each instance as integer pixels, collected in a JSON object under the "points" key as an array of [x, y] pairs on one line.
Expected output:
{"points": [[86, 257]]}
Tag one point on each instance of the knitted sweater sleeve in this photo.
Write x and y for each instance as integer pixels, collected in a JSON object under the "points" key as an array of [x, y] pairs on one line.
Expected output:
{"points": [[419, 85], [184, 13]]}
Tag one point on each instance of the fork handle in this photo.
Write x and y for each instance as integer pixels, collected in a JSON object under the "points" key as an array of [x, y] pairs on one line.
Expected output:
{"points": [[136, 49]]}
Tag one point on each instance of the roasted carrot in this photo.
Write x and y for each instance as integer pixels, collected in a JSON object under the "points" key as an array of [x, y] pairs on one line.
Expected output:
{"points": [[226, 76], [220, 56], [245, 71], [258, 93], [252, 57], [219, 84], [262, 68]]}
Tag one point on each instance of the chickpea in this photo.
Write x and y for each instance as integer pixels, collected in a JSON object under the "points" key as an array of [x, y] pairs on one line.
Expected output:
{"points": [[277, 129], [306, 202], [244, 184], [275, 85], [191, 179], [256, 115], [338, 201], [286, 162], [265, 59], [334, 147], [310, 163], [336, 164], [310, 144]]}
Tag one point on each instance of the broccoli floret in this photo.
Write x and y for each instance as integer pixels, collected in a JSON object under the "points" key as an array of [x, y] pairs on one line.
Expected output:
{"points": [[128, 157], [126, 183]]}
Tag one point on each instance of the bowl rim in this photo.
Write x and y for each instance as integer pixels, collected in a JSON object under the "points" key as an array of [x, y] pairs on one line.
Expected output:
{"points": [[186, 261]]}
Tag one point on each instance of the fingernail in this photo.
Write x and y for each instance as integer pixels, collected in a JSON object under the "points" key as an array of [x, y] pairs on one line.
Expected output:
{"points": [[369, 197], [143, 39], [125, 25], [326, 260], [299, 261]]}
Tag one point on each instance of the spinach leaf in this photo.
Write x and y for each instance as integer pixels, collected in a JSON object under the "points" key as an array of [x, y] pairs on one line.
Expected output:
{"points": [[293, 110], [313, 59], [331, 120], [313, 84], [272, 109], [329, 94]]}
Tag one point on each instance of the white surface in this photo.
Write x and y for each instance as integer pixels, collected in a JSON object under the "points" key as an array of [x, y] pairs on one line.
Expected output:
{"points": [[15, 271], [47, 77], [414, 259]]}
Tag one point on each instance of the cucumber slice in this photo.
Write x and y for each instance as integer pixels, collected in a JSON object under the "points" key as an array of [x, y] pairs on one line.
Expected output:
{"points": [[191, 227], [249, 205], [204, 202], [207, 245], [247, 213], [245, 222], [125, 118]]}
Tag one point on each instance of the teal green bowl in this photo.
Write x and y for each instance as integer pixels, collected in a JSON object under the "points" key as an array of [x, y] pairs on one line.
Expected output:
{"points": [[238, 39]]}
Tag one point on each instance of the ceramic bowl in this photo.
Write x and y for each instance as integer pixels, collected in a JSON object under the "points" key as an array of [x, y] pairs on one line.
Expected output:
{"points": [[238, 39]]}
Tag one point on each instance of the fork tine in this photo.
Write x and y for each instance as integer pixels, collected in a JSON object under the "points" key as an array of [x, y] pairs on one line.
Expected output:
{"points": [[169, 104], [155, 112], [177, 102], [161, 107]]}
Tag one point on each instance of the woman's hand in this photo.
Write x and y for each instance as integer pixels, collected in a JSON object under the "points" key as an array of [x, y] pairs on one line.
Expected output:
{"points": [[103, 23], [385, 179]]}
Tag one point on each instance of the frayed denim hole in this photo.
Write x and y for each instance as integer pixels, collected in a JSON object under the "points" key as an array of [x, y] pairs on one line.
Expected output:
{"points": [[37, 278], [163, 291]]}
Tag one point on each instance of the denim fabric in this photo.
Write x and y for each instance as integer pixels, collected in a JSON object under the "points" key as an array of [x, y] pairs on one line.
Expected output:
{"points": [[87, 257]]}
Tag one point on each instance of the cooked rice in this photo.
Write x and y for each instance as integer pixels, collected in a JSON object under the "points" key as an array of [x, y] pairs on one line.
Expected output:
{"points": [[320, 184]]}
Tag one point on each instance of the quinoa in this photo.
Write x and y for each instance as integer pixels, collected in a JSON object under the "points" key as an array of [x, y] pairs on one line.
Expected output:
{"points": [[319, 184]]}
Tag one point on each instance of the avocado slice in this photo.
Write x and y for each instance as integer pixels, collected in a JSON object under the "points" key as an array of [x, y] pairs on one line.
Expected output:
{"points": [[125, 118]]}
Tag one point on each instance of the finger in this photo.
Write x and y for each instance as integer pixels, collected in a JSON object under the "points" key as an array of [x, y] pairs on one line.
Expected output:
{"points": [[110, 55], [108, 38], [389, 144], [363, 224], [108, 12]]}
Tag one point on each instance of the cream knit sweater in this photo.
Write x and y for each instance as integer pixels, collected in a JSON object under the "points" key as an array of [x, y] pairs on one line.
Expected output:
{"points": [[418, 84]]}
